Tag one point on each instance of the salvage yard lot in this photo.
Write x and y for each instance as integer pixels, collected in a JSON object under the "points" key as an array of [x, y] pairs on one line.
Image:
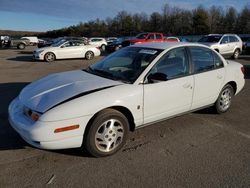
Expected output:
{"points": [[199, 149]]}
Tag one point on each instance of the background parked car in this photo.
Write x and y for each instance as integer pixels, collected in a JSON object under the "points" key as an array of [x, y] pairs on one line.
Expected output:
{"points": [[98, 42], [55, 40], [66, 49], [226, 45], [247, 46], [111, 40], [172, 39], [17, 43], [4, 40], [117, 44], [33, 40]]}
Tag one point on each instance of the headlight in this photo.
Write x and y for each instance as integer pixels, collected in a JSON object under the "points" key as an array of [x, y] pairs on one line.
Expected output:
{"points": [[31, 114], [40, 51]]}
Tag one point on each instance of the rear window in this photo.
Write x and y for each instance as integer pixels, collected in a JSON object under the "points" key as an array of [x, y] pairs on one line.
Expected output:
{"points": [[210, 39], [202, 59], [233, 39]]}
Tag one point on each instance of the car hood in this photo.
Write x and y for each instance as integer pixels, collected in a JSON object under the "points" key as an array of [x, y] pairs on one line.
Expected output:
{"points": [[54, 89]]}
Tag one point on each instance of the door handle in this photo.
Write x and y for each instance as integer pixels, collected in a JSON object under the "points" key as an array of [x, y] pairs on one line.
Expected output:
{"points": [[187, 85]]}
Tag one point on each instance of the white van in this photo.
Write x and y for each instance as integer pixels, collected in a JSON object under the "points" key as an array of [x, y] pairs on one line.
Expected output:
{"points": [[33, 40]]}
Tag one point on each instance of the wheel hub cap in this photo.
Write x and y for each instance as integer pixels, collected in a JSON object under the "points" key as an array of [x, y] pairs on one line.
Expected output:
{"points": [[225, 99], [109, 135]]}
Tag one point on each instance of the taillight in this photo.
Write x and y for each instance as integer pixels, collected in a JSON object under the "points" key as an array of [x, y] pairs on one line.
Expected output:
{"points": [[242, 69]]}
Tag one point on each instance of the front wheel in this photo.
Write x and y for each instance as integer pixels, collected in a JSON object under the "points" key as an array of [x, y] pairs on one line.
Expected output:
{"points": [[224, 100], [89, 55], [49, 57], [107, 133]]}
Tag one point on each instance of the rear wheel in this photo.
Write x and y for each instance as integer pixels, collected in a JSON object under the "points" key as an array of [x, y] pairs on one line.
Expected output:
{"points": [[107, 133], [103, 47], [89, 55], [224, 100], [236, 54], [49, 57]]}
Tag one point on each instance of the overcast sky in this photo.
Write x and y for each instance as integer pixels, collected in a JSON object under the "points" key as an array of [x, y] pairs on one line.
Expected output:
{"points": [[43, 15]]}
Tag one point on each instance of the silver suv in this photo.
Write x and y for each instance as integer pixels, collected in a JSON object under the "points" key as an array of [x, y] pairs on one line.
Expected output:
{"points": [[226, 45]]}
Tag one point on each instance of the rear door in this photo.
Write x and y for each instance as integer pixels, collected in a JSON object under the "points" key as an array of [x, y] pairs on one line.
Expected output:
{"points": [[79, 49], [233, 43], [224, 47], [173, 96], [209, 73]]}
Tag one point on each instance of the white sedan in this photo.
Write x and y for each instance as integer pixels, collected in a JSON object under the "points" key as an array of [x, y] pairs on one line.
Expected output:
{"points": [[66, 49], [133, 87]]}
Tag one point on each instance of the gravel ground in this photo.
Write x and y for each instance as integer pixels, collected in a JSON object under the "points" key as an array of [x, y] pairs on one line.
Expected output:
{"points": [[199, 149]]}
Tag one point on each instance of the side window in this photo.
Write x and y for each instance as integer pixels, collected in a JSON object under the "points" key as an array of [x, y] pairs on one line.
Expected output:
{"points": [[217, 61], [233, 39], [224, 40], [202, 59], [67, 44], [76, 43], [173, 64], [158, 36], [151, 36]]}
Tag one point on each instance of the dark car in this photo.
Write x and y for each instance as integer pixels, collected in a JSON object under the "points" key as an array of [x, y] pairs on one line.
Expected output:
{"points": [[247, 46], [117, 44]]}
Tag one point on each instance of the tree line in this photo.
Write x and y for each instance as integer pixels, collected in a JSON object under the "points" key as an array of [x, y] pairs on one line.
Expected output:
{"points": [[170, 21]]}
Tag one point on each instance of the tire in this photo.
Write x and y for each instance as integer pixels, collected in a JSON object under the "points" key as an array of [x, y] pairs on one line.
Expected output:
{"points": [[103, 47], [224, 100], [117, 48], [107, 133], [21, 46], [89, 55], [49, 57], [236, 54]]}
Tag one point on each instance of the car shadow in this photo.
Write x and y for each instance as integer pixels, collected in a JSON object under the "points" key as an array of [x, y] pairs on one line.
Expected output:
{"points": [[22, 58], [245, 57], [25, 52], [208, 110], [9, 138], [247, 71]]}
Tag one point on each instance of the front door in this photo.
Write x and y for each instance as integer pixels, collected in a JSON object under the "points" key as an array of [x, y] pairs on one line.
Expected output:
{"points": [[168, 88]]}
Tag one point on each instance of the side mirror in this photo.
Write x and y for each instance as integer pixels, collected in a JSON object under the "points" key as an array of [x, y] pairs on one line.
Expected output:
{"points": [[157, 77], [62, 46]]}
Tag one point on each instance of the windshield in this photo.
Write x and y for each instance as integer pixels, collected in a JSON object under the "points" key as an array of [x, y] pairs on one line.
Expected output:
{"points": [[142, 36], [210, 39], [59, 43], [125, 65]]}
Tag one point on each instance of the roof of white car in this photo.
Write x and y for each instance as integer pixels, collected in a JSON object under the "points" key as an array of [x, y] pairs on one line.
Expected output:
{"points": [[168, 45]]}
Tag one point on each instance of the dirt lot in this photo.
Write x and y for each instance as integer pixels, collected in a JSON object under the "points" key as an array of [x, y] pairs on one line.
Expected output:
{"points": [[200, 149]]}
